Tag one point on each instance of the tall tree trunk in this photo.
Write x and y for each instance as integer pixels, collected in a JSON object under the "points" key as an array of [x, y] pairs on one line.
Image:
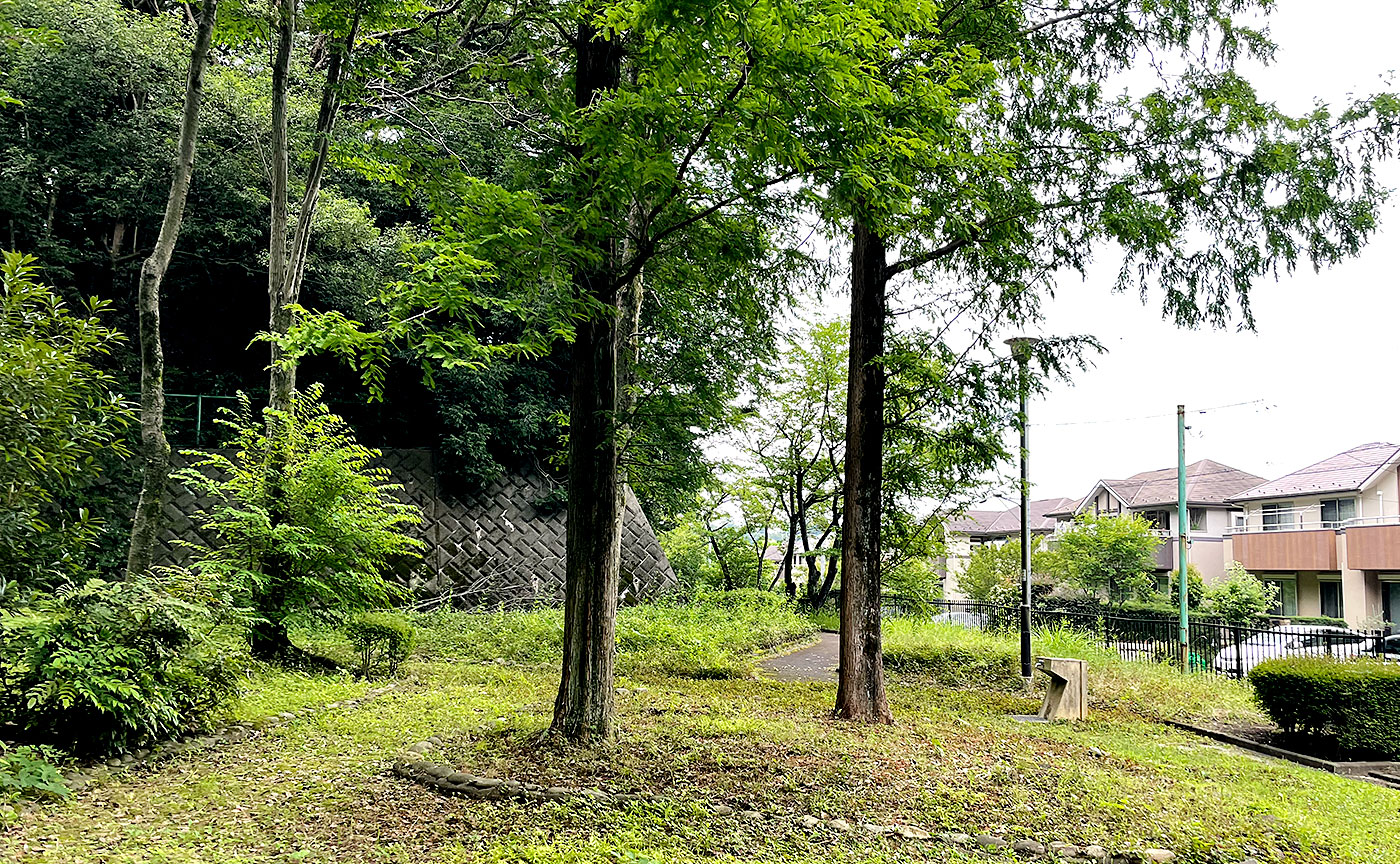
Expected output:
{"points": [[278, 254], [789, 555], [155, 450], [860, 693], [583, 710], [287, 261]]}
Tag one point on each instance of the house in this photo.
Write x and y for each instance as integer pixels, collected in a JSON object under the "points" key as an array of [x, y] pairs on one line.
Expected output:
{"points": [[962, 536], [1152, 495], [1328, 535]]}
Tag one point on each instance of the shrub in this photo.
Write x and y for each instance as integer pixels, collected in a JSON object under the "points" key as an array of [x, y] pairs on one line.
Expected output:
{"points": [[305, 527], [1357, 701], [109, 665], [382, 638], [25, 771], [1242, 596], [60, 415], [1320, 620]]}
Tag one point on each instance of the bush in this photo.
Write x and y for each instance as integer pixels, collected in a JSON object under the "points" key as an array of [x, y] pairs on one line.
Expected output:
{"points": [[110, 665], [382, 638], [1356, 702], [305, 527], [60, 415], [25, 771], [1320, 620]]}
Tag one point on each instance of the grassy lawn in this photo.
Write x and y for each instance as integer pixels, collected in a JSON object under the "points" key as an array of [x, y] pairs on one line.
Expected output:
{"points": [[317, 789]]}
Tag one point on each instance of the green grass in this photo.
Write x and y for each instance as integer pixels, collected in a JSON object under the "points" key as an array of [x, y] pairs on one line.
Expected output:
{"points": [[317, 789]]}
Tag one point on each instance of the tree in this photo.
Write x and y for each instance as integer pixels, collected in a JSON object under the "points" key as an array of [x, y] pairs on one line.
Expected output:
{"points": [[1242, 597], [1203, 187], [1111, 556], [155, 449], [993, 571], [59, 412], [330, 526]]}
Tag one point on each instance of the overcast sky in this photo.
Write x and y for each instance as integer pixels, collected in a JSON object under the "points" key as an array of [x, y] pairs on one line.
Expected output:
{"points": [[1321, 370]]}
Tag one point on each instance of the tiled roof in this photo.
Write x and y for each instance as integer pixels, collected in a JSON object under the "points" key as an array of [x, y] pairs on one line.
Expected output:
{"points": [[1207, 482], [1007, 522], [1346, 472]]}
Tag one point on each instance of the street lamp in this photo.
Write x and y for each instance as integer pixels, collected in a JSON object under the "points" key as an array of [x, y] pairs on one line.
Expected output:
{"points": [[1021, 348]]}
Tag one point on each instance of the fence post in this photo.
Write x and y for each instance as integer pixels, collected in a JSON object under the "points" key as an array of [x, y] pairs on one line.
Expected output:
{"points": [[1239, 657]]}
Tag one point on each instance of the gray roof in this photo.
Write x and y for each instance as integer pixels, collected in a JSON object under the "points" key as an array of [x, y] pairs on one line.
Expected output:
{"points": [[1208, 483], [1348, 471], [986, 523]]}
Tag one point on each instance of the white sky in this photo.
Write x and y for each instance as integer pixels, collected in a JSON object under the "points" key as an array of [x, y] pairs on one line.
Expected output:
{"points": [[1323, 361]]}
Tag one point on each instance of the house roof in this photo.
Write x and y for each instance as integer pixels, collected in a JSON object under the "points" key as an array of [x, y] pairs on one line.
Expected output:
{"points": [[1207, 483], [1349, 471], [987, 523]]}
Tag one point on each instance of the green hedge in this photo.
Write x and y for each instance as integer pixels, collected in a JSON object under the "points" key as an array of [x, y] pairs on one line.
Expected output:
{"points": [[382, 638], [1357, 702]]}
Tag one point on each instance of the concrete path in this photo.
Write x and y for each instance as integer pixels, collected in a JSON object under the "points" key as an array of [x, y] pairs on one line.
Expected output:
{"points": [[814, 663]]}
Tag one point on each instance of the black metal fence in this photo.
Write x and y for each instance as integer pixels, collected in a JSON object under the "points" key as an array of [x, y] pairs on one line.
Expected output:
{"points": [[1218, 646]]}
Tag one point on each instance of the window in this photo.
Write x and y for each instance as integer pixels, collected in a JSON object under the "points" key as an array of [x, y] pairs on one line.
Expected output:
{"points": [[1278, 517], [1336, 511], [1158, 519], [1198, 518], [1330, 594], [1286, 605]]}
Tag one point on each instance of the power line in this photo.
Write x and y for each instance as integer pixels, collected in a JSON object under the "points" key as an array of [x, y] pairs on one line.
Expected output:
{"points": [[1156, 416]]}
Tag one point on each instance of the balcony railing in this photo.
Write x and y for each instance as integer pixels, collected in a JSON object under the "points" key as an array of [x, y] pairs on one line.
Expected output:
{"points": [[1311, 524]]}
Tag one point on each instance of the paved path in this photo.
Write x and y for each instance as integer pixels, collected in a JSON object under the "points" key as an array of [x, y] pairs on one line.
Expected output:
{"points": [[814, 663]]}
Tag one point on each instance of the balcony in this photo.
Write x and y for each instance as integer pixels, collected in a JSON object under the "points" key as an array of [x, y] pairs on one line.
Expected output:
{"points": [[1373, 544], [1297, 549], [1165, 555]]}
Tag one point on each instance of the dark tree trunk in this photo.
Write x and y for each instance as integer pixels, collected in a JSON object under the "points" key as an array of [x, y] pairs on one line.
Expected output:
{"points": [[860, 693], [155, 450], [287, 261], [583, 710], [789, 582]]}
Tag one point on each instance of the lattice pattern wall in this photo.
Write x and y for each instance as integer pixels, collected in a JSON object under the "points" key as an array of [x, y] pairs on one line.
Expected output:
{"points": [[491, 548]]}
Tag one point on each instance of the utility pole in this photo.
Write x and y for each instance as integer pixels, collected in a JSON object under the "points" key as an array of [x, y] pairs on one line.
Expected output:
{"points": [[1182, 523], [1021, 347]]}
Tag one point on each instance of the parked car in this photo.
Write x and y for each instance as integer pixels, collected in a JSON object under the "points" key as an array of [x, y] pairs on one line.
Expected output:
{"points": [[1291, 640], [974, 620]]}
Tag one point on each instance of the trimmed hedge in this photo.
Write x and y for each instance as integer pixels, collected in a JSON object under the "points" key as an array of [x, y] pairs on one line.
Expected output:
{"points": [[381, 638], [1357, 702]]}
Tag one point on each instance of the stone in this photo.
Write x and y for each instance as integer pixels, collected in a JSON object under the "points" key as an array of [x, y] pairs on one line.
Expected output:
{"points": [[437, 771], [435, 741], [877, 830], [460, 779], [1028, 847], [420, 748], [809, 822], [1064, 850], [488, 782], [1097, 753], [1159, 856], [287, 715], [722, 810], [114, 762], [554, 793], [990, 841], [1095, 853], [956, 838], [594, 794], [142, 753], [841, 825], [1250, 860], [912, 832], [752, 815]]}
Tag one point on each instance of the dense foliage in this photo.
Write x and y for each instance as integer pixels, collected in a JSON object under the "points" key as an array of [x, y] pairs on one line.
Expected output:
{"points": [[109, 665], [1110, 556], [1241, 596], [61, 422], [305, 526], [1355, 701]]}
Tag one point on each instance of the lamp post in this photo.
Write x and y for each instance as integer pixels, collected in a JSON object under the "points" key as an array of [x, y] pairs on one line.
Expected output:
{"points": [[1021, 347]]}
